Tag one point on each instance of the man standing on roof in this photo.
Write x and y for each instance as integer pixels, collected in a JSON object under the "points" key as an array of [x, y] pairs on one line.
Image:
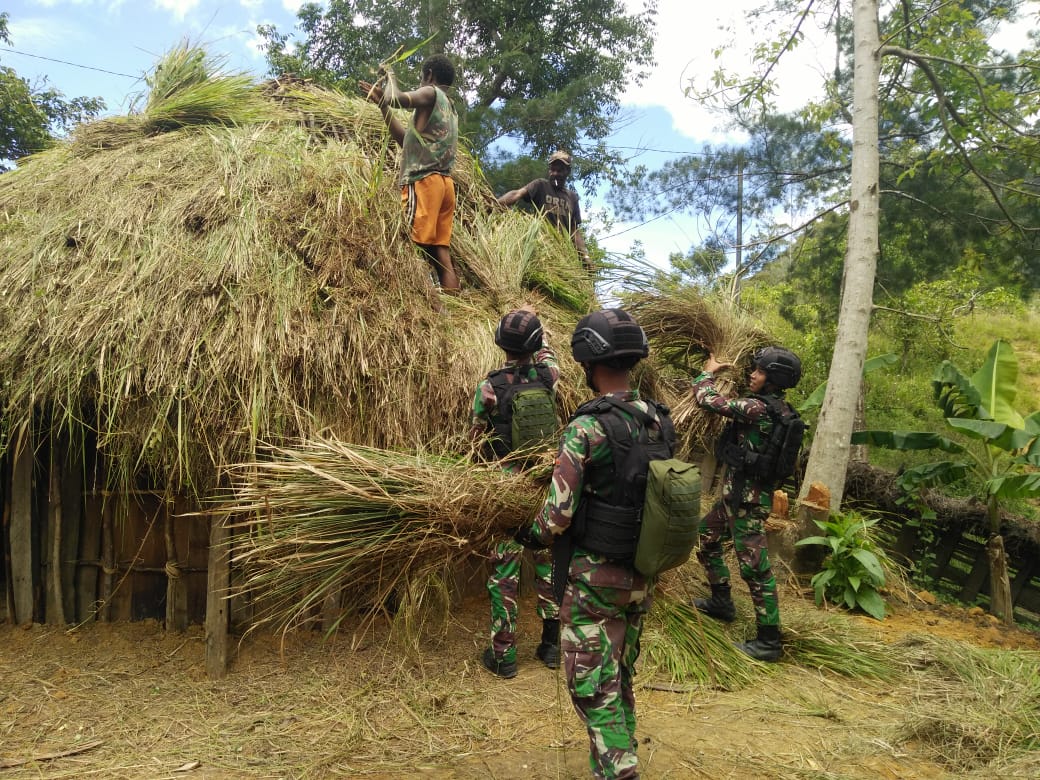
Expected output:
{"points": [[556, 201], [428, 148]]}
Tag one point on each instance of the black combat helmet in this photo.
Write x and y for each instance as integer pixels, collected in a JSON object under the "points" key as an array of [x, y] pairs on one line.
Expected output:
{"points": [[781, 366], [607, 334], [519, 332]]}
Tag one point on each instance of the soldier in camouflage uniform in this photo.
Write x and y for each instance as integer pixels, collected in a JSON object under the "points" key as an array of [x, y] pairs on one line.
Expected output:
{"points": [[528, 358], [744, 505], [605, 598]]}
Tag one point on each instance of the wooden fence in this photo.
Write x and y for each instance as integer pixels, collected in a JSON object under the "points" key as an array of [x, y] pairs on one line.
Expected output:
{"points": [[955, 559]]}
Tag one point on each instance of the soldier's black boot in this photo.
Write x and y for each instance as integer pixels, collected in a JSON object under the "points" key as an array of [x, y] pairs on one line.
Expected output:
{"points": [[719, 606], [506, 669], [766, 646], [548, 651]]}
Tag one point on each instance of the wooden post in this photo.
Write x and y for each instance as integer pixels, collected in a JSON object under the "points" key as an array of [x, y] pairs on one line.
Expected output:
{"points": [[55, 605], [71, 522], [176, 588], [217, 612], [20, 530], [108, 554]]}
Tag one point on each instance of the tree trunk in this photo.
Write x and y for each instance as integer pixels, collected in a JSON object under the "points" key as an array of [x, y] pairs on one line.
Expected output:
{"points": [[999, 584], [829, 456]]}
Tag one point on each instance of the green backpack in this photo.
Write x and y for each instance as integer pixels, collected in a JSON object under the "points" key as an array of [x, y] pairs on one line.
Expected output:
{"points": [[671, 515], [527, 418]]}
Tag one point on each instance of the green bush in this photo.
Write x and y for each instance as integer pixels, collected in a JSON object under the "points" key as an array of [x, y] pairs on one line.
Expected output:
{"points": [[854, 571]]}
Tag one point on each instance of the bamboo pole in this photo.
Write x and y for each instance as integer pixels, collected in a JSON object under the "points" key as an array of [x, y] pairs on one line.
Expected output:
{"points": [[217, 612], [55, 592], [108, 566], [20, 529], [176, 589]]}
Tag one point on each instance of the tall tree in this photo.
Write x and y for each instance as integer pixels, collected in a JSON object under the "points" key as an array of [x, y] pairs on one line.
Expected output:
{"points": [[32, 113], [939, 102], [538, 76]]}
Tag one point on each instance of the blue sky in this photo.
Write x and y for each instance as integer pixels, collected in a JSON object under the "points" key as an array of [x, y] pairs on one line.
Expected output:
{"points": [[102, 48]]}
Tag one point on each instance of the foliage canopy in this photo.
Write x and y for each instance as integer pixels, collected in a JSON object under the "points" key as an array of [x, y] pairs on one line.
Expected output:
{"points": [[539, 75]]}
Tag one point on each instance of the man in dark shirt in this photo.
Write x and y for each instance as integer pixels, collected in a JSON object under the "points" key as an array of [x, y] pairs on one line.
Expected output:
{"points": [[556, 201]]}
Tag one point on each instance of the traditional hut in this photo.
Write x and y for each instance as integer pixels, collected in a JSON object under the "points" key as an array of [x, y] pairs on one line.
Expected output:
{"points": [[225, 270], [226, 267]]}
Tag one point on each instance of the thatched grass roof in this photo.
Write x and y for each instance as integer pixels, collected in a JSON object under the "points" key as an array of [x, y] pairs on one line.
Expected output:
{"points": [[230, 265]]}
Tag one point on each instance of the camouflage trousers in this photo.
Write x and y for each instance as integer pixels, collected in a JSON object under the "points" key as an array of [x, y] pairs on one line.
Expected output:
{"points": [[746, 527], [503, 587], [602, 616]]}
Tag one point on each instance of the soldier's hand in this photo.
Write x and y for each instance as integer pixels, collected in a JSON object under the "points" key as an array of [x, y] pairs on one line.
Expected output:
{"points": [[711, 365]]}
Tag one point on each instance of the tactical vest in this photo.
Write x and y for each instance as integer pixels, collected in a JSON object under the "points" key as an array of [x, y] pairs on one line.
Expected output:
{"points": [[773, 459], [505, 389], [608, 523]]}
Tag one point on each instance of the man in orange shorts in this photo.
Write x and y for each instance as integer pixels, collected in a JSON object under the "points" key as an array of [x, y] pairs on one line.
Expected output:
{"points": [[428, 148]]}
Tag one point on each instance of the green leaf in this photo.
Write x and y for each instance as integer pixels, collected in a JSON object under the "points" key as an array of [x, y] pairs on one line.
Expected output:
{"points": [[855, 582], [996, 383], [906, 440], [870, 601], [944, 472], [812, 540], [850, 597], [954, 392], [870, 562], [986, 430], [1015, 486], [815, 399], [880, 361]]}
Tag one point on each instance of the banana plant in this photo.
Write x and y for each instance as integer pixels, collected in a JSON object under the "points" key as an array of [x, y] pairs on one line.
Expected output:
{"points": [[988, 440]]}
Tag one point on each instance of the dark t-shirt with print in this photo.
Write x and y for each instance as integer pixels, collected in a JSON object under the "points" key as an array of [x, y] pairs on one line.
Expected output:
{"points": [[560, 206]]}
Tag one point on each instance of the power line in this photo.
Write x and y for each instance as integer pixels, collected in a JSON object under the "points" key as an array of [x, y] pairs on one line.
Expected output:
{"points": [[66, 62]]}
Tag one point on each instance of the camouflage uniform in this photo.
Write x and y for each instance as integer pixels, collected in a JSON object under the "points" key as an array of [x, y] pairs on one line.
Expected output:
{"points": [[604, 604], [503, 584], [742, 518]]}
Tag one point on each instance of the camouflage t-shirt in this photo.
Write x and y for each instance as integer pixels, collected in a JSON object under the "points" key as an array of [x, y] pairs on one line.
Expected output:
{"points": [[433, 150]]}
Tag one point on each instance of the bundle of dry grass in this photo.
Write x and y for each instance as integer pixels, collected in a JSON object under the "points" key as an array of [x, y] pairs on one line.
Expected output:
{"points": [[223, 269], [684, 327], [323, 517]]}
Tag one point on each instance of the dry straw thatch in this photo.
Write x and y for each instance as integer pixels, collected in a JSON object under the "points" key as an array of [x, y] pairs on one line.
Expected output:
{"points": [[230, 265]]}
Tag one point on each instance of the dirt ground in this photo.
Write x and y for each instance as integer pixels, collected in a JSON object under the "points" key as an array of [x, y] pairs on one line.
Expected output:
{"points": [[132, 701]]}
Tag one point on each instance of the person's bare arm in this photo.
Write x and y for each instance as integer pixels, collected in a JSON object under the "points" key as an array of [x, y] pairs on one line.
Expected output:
{"points": [[513, 196], [374, 94], [583, 251]]}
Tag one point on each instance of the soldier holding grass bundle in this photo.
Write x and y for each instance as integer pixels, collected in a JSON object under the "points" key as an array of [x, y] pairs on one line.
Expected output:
{"points": [[755, 457], [514, 407]]}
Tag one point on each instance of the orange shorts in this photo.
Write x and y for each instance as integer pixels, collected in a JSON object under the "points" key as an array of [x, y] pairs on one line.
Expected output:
{"points": [[429, 207]]}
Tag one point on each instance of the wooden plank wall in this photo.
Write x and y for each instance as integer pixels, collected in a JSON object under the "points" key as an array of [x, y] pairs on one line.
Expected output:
{"points": [[73, 551]]}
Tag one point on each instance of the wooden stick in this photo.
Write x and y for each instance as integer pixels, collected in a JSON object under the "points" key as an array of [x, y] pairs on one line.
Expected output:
{"points": [[8, 763]]}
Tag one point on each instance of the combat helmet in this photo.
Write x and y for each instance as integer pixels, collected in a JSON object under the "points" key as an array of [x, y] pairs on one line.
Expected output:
{"points": [[782, 367], [519, 332], [607, 334]]}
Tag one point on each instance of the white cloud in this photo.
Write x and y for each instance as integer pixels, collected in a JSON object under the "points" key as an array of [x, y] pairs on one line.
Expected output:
{"points": [[45, 33], [292, 6], [180, 8], [685, 55], [251, 5]]}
